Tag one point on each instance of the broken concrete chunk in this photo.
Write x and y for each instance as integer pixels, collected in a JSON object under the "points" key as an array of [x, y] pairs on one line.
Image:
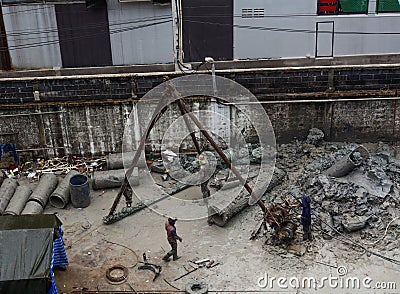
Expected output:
{"points": [[158, 167], [352, 224], [315, 137]]}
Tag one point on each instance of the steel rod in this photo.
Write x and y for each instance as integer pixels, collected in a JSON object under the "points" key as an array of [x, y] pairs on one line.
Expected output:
{"points": [[32, 113]]}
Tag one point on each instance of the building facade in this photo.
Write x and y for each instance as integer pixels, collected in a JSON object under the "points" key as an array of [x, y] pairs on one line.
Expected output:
{"points": [[126, 32]]}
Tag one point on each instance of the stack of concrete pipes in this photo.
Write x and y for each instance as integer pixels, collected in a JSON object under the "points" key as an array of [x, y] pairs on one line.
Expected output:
{"points": [[114, 176], [16, 199]]}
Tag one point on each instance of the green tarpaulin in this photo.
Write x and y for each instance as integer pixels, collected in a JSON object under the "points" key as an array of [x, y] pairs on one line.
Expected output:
{"points": [[26, 244]]}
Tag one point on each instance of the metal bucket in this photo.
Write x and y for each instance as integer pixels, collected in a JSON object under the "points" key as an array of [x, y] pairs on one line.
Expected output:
{"points": [[79, 191]]}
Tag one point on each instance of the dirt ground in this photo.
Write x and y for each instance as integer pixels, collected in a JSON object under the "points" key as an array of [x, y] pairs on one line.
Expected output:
{"points": [[244, 265]]}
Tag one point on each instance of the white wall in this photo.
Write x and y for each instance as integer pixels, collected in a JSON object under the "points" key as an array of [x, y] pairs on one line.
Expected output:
{"points": [[147, 45], [32, 36], [302, 15]]}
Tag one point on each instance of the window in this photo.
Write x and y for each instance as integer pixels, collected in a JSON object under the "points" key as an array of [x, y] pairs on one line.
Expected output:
{"points": [[343, 6], [252, 13], [388, 6]]}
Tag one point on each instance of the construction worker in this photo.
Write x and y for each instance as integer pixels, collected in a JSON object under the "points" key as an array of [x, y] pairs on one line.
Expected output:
{"points": [[172, 238], [306, 217]]}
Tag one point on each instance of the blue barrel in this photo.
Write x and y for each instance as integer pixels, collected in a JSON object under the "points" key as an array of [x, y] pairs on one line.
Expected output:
{"points": [[79, 191]]}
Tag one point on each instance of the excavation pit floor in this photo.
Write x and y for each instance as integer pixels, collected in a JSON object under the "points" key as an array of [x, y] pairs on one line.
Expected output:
{"points": [[244, 265]]}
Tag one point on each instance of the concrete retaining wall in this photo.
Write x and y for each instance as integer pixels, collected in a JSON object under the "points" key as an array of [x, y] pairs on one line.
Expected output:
{"points": [[88, 113]]}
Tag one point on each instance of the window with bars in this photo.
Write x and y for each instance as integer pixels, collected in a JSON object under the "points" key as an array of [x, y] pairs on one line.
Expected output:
{"points": [[342, 6], [252, 12], [388, 6]]}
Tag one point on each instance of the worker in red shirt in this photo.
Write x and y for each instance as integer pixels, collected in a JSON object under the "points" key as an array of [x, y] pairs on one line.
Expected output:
{"points": [[172, 239]]}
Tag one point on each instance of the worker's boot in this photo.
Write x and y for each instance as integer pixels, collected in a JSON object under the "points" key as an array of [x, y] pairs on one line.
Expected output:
{"points": [[166, 257]]}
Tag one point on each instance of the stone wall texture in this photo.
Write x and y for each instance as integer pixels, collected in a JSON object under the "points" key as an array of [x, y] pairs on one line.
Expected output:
{"points": [[86, 115]]}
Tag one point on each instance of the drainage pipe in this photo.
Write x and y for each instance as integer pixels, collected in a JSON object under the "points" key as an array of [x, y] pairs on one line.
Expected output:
{"points": [[7, 190], [33, 207], [47, 184], [18, 201], [347, 163], [61, 196]]}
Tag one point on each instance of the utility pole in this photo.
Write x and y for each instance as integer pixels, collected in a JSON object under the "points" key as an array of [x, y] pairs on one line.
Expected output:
{"points": [[4, 51], [176, 30]]}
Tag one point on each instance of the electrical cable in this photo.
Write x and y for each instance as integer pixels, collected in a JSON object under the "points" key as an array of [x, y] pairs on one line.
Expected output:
{"points": [[308, 31], [350, 241], [52, 42], [74, 28]]}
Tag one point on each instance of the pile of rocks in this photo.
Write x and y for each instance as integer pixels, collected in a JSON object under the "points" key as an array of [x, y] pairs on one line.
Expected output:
{"points": [[365, 200]]}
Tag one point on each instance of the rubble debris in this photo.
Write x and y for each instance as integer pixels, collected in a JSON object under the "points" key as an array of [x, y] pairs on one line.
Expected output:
{"points": [[7, 190], [158, 167], [61, 196], [355, 223], [315, 137], [18, 201], [359, 201], [64, 164]]}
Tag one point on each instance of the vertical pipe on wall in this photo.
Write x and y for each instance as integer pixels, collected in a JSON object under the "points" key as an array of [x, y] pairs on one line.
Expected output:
{"points": [[42, 137]]}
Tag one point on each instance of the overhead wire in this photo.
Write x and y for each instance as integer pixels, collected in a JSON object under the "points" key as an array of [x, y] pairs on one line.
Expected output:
{"points": [[52, 42], [158, 21]]}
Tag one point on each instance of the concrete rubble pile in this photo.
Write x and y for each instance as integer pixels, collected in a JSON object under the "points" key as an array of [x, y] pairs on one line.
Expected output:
{"points": [[364, 200]]}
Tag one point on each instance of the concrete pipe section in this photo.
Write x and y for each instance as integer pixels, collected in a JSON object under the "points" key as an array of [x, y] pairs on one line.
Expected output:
{"points": [[17, 203], [348, 163], [116, 161], [47, 184], [33, 207], [7, 190], [61, 196], [113, 178]]}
